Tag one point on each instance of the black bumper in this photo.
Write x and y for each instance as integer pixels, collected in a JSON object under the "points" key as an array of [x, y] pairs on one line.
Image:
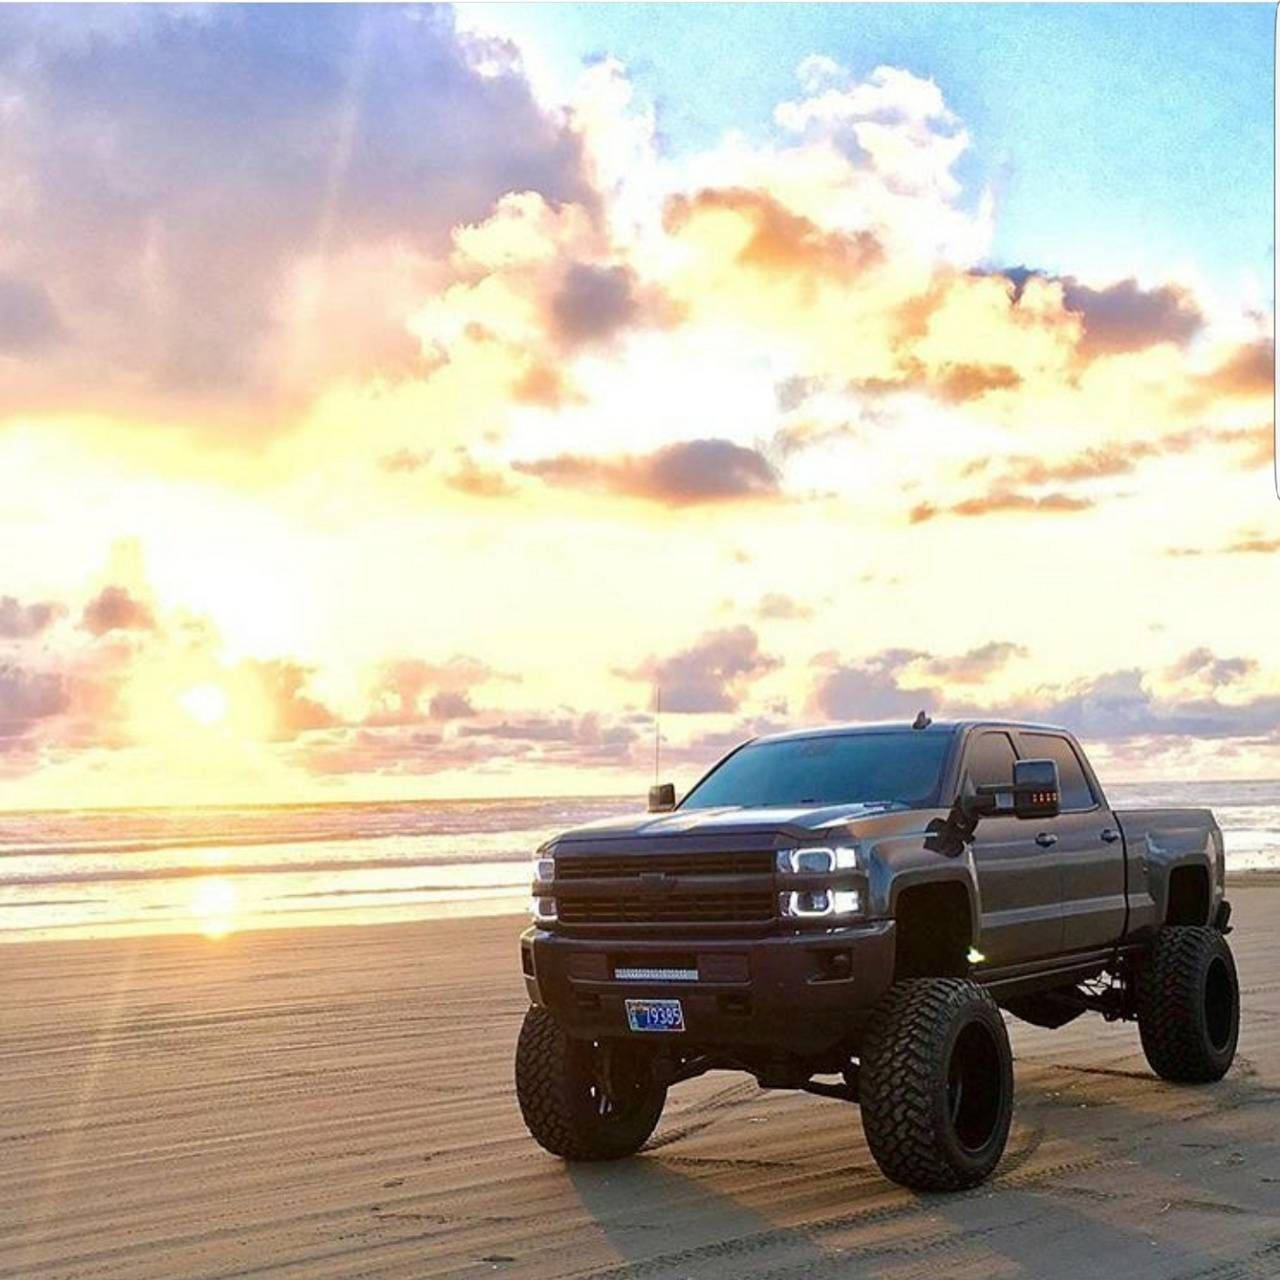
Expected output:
{"points": [[801, 992]]}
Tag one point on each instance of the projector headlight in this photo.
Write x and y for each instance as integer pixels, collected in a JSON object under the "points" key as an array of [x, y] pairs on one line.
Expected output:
{"points": [[543, 910], [543, 905], [817, 904], [818, 861]]}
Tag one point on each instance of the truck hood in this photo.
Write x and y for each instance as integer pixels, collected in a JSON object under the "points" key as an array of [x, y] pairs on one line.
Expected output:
{"points": [[723, 821]]}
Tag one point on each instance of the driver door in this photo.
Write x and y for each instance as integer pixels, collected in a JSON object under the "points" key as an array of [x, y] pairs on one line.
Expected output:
{"points": [[1019, 880]]}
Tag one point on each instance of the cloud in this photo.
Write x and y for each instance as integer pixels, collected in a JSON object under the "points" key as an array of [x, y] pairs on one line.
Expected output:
{"points": [[776, 605], [402, 685], [293, 711], [265, 187], [593, 302], [1118, 704], [1115, 705], [545, 386], [1120, 457], [894, 124], [799, 436], [27, 697], [1093, 464], [22, 621], [114, 609], [1252, 545], [771, 237], [1002, 501], [957, 383], [977, 664], [1249, 371], [1247, 543], [405, 461], [1202, 663], [1120, 317], [682, 474], [948, 381], [478, 481], [869, 689], [793, 392], [712, 675], [450, 706], [1124, 317], [496, 745]]}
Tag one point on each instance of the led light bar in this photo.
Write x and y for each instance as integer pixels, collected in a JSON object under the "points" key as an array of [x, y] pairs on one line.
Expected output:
{"points": [[630, 974]]}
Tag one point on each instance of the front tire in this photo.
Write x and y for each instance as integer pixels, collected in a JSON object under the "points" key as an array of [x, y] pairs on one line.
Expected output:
{"points": [[936, 1084], [1189, 1005], [561, 1088]]}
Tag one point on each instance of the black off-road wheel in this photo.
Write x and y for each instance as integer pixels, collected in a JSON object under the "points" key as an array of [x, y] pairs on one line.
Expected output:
{"points": [[583, 1099], [936, 1084], [1189, 1005]]}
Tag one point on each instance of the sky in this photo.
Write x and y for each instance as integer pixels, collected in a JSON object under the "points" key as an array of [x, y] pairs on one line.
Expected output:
{"points": [[393, 401]]}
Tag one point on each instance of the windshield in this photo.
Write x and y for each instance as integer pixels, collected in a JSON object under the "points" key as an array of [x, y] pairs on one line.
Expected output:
{"points": [[902, 768]]}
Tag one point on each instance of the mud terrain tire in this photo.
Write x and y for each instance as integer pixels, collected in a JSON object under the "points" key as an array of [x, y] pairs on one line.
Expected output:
{"points": [[936, 1084], [1189, 1005], [563, 1101]]}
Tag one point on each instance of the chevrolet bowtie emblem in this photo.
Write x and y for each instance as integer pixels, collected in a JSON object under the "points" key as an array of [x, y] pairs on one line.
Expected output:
{"points": [[657, 882]]}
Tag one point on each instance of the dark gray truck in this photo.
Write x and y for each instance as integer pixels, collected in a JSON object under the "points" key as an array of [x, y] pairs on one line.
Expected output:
{"points": [[847, 911]]}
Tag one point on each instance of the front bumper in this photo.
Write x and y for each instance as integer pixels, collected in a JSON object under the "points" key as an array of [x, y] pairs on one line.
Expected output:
{"points": [[802, 992]]}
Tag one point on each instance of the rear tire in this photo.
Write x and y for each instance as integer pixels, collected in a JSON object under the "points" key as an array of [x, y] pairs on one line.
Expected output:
{"points": [[1189, 1005], [560, 1085], [936, 1084]]}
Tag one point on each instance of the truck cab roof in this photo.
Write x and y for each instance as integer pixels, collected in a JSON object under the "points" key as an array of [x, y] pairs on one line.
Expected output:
{"points": [[897, 726]]}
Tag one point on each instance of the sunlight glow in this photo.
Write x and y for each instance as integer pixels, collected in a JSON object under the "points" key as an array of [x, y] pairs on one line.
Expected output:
{"points": [[213, 906], [206, 704]]}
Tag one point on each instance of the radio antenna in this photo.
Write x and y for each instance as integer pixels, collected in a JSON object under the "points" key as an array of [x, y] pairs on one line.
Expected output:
{"points": [[657, 731]]}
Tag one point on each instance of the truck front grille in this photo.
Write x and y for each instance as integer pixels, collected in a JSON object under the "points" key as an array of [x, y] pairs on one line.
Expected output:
{"points": [[753, 906], [637, 890], [624, 866]]}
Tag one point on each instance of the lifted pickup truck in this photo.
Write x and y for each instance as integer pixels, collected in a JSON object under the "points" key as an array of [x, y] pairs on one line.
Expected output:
{"points": [[860, 903]]}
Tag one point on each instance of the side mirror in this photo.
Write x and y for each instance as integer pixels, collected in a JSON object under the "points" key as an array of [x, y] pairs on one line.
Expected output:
{"points": [[1035, 789], [662, 797], [1033, 794]]}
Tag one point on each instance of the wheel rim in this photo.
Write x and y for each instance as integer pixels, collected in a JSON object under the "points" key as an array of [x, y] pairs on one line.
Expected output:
{"points": [[975, 1084], [1219, 1004], [617, 1084]]}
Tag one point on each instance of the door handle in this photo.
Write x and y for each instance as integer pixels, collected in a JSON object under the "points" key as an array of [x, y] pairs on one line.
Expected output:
{"points": [[1046, 839], [1110, 835]]}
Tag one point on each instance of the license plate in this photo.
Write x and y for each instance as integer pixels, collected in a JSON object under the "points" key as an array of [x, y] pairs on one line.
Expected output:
{"points": [[655, 1015]]}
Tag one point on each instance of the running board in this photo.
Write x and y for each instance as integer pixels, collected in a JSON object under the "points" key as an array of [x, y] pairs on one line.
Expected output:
{"points": [[1025, 979]]}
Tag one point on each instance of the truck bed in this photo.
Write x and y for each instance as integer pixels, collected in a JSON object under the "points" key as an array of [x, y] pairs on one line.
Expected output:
{"points": [[1159, 841]]}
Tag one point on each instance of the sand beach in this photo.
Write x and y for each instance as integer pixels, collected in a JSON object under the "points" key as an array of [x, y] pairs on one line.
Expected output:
{"points": [[337, 1102]]}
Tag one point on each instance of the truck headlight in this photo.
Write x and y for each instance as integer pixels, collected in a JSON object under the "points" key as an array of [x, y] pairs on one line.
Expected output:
{"points": [[815, 904], [543, 905], [818, 860], [543, 910]]}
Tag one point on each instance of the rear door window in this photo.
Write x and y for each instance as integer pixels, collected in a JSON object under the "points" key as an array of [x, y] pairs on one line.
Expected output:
{"points": [[1076, 793]]}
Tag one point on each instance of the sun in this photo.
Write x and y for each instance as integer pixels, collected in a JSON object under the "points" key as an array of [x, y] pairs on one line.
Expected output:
{"points": [[206, 704]]}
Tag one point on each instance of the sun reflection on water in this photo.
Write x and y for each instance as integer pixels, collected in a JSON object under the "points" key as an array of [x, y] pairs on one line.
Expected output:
{"points": [[214, 902]]}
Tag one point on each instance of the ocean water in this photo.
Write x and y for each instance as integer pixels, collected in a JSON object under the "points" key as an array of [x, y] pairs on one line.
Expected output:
{"points": [[91, 873]]}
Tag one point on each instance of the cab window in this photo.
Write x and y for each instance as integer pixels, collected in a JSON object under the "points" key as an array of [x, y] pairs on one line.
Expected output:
{"points": [[1075, 790]]}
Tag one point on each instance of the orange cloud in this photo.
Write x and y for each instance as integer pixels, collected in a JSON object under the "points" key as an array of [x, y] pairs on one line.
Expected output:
{"points": [[1000, 501], [775, 238], [1249, 371]]}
